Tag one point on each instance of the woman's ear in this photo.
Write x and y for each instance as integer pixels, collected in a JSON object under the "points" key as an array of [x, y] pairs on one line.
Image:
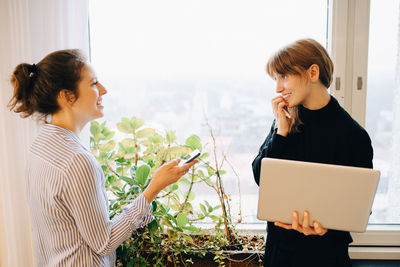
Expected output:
{"points": [[66, 98], [313, 72]]}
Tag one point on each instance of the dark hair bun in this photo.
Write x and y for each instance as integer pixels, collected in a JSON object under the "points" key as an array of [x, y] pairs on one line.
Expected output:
{"points": [[36, 87], [23, 80]]}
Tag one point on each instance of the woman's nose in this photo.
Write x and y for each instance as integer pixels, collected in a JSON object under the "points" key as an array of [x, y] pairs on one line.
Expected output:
{"points": [[279, 88], [102, 90]]}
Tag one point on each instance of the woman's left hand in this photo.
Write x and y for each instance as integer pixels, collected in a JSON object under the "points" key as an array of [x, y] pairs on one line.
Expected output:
{"points": [[305, 227]]}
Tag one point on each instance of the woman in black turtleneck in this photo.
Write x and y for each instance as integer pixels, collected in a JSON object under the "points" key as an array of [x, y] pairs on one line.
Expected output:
{"points": [[311, 126]]}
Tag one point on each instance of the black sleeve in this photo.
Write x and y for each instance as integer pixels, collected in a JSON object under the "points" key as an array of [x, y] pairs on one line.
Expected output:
{"points": [[273, 147], [361, 149]]}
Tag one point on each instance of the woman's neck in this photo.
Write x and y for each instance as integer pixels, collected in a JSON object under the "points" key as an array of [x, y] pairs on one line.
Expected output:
{"points": [[67, 121], [318, 98]]}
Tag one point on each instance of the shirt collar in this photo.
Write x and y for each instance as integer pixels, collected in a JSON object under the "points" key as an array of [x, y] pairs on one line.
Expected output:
{"points": [[52, 128]]}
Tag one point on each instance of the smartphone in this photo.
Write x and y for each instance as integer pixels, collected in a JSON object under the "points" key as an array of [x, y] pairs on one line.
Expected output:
{"points": [[192, 156], [287, 114]]}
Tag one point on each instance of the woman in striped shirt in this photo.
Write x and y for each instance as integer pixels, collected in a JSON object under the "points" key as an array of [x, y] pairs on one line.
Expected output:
{"points": [[65, 183]]}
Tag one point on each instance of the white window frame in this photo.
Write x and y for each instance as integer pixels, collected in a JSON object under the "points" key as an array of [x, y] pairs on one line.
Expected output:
{"points": [[348, 37]]}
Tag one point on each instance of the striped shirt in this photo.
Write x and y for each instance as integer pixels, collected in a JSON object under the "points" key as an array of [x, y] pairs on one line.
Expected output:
{"points": [[69, 206]]}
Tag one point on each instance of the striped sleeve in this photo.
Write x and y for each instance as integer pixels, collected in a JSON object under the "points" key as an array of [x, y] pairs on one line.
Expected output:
{"points": [[85, 198]]}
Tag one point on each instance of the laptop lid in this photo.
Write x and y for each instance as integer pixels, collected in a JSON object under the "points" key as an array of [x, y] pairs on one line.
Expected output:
{"points": [[339, 197]]}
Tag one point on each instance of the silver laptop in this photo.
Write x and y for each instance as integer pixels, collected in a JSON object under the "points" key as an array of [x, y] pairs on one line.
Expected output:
{"points": [[339, 197]]}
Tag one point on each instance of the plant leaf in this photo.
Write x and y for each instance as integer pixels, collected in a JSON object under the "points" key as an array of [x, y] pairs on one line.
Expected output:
{"points": [[94, 128], [174, 187], [170, 136], [184, 181], [99, 136], [116, 188], [204, 156], [128, 142], [129, 156], [210, 171], [201, 173], [180, 150], [203, 208], [172, 218], [152, 227], [156, 138], [133, 171], [127, 179], [108, 134], [191, 228], [146, 132], [188, 207], [124, 127], [107, 147], [193, 142], [145, 142], [142, 173], [214, 218], [217, 207], [154, 205], [222, 172], [210, 209], [136, 123], [191, 195], [187, 237], [181, 220], [174, 207]]}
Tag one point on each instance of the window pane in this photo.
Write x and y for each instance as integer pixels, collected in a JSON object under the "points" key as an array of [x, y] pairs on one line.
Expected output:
{"points": [[383, 103], [173, 63]]}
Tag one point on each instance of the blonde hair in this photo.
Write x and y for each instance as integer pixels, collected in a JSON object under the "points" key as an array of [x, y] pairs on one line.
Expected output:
{"points": [[296, 58]]}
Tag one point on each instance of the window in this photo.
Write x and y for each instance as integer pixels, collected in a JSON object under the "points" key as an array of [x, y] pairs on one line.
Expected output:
{"points": [[175, 63], [383, 112]]}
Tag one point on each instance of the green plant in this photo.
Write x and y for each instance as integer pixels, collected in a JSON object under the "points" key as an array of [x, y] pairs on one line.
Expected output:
{"points": [[128, 166]]}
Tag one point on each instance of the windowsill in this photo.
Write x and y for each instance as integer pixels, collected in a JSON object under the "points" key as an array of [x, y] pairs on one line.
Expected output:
{"points": [[378, 235], [374, 253], [260, 228], [379, 242]]}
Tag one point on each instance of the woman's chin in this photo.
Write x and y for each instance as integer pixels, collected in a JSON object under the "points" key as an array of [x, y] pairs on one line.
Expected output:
{"points": [[99, 114], [290, 105]]}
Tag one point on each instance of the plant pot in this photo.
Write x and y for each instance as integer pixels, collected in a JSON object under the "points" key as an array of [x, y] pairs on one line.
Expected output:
{"points": [[231, 256], [234, 259]]}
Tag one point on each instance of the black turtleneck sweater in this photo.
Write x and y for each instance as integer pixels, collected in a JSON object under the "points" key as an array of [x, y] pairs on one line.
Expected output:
{"points": [[328, 135]]}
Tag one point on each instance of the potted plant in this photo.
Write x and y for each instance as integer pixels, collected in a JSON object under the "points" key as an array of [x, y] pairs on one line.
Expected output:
{"points": [[173, 237]]}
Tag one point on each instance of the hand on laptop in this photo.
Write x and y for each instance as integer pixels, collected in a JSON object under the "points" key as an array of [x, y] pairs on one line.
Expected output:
{"points": [[304, 228]]}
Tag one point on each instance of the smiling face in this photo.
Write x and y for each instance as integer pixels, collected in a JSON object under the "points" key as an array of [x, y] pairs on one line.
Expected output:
{"points": [[294, 88], [88, 106], [290, 67]]}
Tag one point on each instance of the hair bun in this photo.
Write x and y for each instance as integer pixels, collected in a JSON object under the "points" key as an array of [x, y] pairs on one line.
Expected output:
{"points": [[32, 69], [36, 87]]}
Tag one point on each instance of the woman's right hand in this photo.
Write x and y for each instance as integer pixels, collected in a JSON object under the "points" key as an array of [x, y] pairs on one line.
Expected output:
{"points": [[304, 228], [167, 174], [282, 122]]}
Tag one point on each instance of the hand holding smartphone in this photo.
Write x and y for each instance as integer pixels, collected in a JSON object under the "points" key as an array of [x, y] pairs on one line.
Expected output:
{"points": [[192, 156]]}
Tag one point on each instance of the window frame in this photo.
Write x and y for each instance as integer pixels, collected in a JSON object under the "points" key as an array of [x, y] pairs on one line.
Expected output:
{"points": [[348, 38]]}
